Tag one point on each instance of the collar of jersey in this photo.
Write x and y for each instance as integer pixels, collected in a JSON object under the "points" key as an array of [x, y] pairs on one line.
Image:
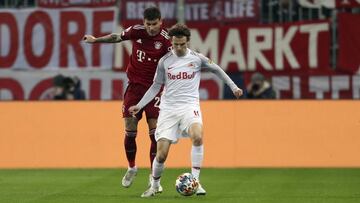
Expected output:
{"points": [[187, 52]]}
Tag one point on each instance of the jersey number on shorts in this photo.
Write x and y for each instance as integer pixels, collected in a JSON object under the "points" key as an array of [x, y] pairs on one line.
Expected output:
{"points": [[140, 55], [157, 102], [196, 113]]}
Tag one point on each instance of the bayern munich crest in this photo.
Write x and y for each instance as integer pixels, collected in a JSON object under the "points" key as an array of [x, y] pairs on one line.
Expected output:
{"points": [[157, 45]]}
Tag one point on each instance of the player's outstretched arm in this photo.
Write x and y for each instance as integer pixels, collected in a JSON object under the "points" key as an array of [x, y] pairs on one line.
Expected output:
{"points": [[111, 38], [148, 96], [152, 91], [214, 68]]}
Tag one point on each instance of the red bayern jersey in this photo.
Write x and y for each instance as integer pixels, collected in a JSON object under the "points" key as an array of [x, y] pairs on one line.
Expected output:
{"points": [[146, 52]]}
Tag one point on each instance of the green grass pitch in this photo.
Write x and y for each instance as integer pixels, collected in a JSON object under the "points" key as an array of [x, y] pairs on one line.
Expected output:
{"points": [[222, 185]]}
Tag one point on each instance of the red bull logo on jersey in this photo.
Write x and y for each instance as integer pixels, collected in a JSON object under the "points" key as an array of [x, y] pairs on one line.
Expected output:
{"points": [[181, 76]]}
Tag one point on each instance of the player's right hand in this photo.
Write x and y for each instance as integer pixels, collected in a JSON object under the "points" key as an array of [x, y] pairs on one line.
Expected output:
{"points": [[89, 39], [238, 93], [133, 110]]}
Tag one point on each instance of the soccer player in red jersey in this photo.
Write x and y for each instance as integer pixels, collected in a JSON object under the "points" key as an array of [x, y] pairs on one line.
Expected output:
{"points": [[150, 43]]}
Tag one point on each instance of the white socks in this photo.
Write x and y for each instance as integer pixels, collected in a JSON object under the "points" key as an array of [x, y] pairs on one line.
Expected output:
{"points": [[197, 156], [157, 170]]}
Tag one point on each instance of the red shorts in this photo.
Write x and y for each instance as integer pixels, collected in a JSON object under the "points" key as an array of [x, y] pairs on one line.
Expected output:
{"points": [[133, 94]]}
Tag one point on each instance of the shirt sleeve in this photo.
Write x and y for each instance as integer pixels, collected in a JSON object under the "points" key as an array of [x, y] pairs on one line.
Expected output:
{"points": [[160, 72], [209, 65], [159, 80], [127, 34]]}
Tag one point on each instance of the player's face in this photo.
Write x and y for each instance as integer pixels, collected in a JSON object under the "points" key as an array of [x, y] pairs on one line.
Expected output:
{"points": [[180, 45], [152, 26]]}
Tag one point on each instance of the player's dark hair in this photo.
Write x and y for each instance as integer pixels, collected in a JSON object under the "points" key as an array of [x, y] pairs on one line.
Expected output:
{"points": [[180, 30], [152, 13]]}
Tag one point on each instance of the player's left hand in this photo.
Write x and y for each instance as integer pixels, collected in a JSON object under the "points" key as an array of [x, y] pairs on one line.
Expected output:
{"points": [[89, 39], [134, 110], [238, 92]]}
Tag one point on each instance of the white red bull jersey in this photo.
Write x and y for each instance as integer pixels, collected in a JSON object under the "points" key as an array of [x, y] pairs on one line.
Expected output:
{"points": [[181, 79]]}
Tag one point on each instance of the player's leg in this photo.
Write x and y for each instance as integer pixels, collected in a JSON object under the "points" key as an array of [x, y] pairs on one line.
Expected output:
{"points": [[163, 146], [153, 148], [130, 140], [130, 150], [152, 113], [192, 126], [197, 153], [165, 134], [152, 127], [197, 149], [131, 98]]}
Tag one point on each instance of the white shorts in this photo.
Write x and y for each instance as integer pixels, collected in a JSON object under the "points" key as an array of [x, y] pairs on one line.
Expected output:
{"points": [[175, 124]]}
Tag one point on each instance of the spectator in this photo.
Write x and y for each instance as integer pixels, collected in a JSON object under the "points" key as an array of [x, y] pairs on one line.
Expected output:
{"points": [[259, 88], [67, 88]]}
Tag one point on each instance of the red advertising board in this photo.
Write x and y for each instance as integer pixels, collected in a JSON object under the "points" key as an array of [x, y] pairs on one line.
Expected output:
{"points": [[75, 3], [349, 43], [195, 11], [289, 47], [35, 39]]}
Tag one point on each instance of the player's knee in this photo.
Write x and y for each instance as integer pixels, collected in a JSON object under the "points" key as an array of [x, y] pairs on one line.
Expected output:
{"points": [[195, 129], [161, 157], [196, 133], [197, 140], [131, 124]]}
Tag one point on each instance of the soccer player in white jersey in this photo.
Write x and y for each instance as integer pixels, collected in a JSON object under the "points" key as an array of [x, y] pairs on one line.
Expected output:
{"points": [[180, 116]]}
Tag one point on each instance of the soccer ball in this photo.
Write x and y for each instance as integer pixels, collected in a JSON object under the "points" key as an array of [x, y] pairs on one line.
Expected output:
{"points": [[186, 184]]}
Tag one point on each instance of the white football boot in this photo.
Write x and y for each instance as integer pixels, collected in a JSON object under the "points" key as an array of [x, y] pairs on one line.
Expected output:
{"points": [[150, 192], [159, 190], [200, 190], [129, 177]]}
